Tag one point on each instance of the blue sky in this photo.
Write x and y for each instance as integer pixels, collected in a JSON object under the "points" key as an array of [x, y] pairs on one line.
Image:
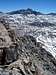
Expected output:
{"points": [[40, 5]]}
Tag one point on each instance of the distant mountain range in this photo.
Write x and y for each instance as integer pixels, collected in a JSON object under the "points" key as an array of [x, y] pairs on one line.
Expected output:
{"points": [[52, 14], [27, 11]]}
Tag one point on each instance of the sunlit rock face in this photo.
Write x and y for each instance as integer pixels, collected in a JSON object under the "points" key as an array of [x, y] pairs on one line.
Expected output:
{"points": [[7, 46], [5, 41]]}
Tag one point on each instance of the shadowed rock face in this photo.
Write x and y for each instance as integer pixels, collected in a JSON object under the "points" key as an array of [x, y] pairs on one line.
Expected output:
{"points": [[3, 56]]}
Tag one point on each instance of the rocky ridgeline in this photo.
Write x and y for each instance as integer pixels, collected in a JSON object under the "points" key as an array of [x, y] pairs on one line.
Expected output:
{"points": [[22, 55]]}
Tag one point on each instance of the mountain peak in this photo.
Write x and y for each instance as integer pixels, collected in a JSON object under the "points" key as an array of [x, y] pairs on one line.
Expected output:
{"points": [[25, 12]]}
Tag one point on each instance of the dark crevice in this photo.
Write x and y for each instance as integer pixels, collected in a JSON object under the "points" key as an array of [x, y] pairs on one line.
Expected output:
{"points": [[3, 57]]}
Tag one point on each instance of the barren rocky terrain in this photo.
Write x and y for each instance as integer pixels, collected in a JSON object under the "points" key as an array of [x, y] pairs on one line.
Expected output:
{"points": [[27, 44]]}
